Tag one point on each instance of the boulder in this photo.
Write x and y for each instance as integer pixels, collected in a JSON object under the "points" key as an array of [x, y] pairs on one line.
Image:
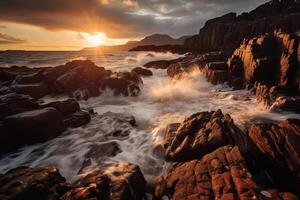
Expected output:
{"points": [[201, 133], [161, 64], [125, 83], [35, 90], [221, 174], [142, 71], [34, 184], [121, 181], [65, 107], [13, 103], [77, 119], [31, 127]]}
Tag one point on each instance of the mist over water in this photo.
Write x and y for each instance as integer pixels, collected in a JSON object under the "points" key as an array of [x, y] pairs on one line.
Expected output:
{"points": [[161, 101]]}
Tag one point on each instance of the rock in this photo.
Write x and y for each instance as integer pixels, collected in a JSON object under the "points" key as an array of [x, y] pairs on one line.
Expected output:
{"points": [[65, 107], [95, 185], [29, 78], [279, 143], [35, 90], [128, 181], [33, 126], [97, 153], [284, 103], [28, 183], [215, 72], [121, 181], [125, 83], [221, 174], [202, 133], [257, 56], [161, 64], [228, 31], [77, 119], [142, 71], [13, 103]]}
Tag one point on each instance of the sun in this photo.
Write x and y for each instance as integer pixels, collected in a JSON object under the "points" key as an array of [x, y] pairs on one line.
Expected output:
{"points": [[95, 39]]}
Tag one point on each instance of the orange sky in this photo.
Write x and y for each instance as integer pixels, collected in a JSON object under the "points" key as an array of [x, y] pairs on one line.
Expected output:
{"points": [[35, 38], [75, 24]]}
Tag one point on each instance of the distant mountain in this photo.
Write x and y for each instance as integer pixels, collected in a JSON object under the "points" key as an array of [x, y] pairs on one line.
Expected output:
{"points": [[155, 39]]}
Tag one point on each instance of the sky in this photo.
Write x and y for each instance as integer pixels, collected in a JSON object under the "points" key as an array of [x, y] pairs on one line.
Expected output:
{"points": [[75, 24]]}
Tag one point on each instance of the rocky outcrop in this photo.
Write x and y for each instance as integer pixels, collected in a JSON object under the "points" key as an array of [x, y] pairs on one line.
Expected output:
{"points": [[280, 144], [80, 79], [24, 121], [142, 71], [28, 183], [161, 64], [228, 31], [202, 133], [221, 174], [121, 181], [30, 127]]}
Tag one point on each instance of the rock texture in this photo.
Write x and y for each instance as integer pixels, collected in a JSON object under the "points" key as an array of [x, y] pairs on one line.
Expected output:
{"points": [[222, 174], [279, 143], [80, 79], [142, 71], [201, 133], [228, 31], [24, 121], [122, 181]]}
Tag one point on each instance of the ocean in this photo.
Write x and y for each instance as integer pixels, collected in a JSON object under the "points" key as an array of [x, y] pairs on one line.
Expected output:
{"points": [[161, 101]]}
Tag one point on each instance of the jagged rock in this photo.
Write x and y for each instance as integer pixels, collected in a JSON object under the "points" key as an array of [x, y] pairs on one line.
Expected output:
{"points": [[278, 98], [142, 71], [215, 72], [29, 78], [279, 143], [77, 119], [30, 127], [201, 133], [221, 174], [228, 31], [34, 184], [121, 181]]}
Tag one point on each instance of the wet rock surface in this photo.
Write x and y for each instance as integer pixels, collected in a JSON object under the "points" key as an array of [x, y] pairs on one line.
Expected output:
{"points": [[200, 134], [121, 181], [279, 143], [25, 121], [79, 78], [221, 174], [142, 71]]}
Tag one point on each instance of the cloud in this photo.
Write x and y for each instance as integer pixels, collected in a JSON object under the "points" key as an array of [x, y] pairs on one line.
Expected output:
{"points": [[120, 18], [8, 39]]}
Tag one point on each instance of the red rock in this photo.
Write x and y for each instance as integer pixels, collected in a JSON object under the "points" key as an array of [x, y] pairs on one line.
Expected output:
{"points": [[161, 64], [221, 174], [279, 143], [201, 133]]}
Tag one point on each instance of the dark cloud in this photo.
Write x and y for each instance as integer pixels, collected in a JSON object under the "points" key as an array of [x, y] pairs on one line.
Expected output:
{"points": [[121, 18], [8, 39]]}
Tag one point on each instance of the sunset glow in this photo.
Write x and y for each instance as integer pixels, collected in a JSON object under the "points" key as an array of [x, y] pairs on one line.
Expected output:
{"points": [[95, 39]]}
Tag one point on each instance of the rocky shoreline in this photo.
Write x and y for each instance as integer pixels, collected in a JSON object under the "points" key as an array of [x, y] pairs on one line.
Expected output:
{"points": [[212, 158]]}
